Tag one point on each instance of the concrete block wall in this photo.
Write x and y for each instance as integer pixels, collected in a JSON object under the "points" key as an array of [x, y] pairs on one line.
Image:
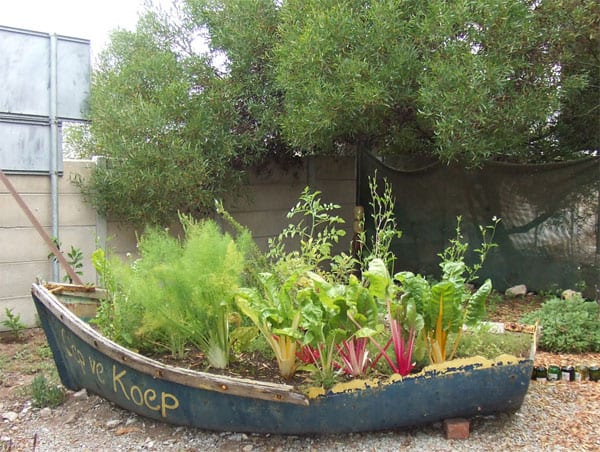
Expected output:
{"points": [[271, 192], [24, 253]]}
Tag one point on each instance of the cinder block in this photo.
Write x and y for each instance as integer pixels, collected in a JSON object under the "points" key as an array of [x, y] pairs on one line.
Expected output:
{"points": [[456, 428]]}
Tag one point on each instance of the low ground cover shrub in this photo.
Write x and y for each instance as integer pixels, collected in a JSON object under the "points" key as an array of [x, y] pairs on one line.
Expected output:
{"points": [[44, 393], [568, 326]]}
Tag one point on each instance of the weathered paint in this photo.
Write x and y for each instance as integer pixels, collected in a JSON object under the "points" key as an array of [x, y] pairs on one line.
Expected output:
{"points": [[457, 389]]}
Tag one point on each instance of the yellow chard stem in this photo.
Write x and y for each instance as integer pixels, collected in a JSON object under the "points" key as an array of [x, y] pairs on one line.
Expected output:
{"points": [[456, 341], [440, 336]]}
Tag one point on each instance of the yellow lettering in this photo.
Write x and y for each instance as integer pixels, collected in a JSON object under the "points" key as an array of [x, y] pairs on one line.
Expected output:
{"points": [[79, 357], [168, 402], [64, 341], [117, 379], [100, 372], [149, 397], [136, 395]]}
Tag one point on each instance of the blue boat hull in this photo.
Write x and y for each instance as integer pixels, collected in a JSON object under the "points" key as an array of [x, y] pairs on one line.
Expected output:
{"points": [[87, 360]]}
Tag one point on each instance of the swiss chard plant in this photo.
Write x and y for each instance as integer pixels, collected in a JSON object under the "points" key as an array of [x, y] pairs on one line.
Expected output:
{"points": [[448, 305], [405, 322], [280, 303], [349, 316], [277, 312]]}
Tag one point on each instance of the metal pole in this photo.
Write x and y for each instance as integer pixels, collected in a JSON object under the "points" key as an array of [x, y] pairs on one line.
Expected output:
{"points": [[54, 156]]}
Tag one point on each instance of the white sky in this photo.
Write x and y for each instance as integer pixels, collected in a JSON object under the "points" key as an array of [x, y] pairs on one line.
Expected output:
{"points": [[87, 19]]}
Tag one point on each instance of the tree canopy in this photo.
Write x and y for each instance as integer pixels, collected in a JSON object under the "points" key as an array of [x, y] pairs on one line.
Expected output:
{"points": [[200, 91]]}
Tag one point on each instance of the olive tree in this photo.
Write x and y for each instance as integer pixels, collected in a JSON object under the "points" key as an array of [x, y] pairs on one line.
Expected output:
{"points": [[181, 106], [469, 80]]}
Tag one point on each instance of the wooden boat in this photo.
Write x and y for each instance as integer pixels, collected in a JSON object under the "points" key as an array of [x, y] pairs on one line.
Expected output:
{"points": [[86, 359]]}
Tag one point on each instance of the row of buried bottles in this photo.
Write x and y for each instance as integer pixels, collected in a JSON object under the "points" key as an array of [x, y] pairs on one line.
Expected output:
{"points": [[566, 373]]}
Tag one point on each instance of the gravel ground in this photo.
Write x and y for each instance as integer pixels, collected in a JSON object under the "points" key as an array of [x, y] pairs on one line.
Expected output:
{"points": [[554, 417]]}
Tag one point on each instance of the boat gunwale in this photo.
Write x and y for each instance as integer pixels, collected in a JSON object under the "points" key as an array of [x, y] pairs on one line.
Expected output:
{"points": [[203, 380]]}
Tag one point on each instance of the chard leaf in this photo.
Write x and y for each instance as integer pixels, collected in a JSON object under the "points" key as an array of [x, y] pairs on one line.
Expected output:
{"points": [[288, 331], [379, 279], [446, 297], [365, 332], [476, 305]]}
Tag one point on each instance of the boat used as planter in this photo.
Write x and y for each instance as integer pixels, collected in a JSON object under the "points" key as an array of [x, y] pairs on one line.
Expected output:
{"points": [[85, 359]]}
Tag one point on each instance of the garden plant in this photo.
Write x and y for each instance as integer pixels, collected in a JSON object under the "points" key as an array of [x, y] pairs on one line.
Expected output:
{"points": [[329, 315]]}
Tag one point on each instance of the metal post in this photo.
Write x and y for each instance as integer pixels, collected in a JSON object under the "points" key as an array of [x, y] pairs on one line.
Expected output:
{"points": [[54, 156]]}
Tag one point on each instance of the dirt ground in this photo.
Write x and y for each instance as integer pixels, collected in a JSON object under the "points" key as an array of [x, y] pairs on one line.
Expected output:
{"points": [[23, 427]]}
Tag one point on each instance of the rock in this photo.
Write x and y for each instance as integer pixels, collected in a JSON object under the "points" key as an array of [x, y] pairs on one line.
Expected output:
{"points": [[5, 443], [130, 421], [82, 394], [10, 416], [113, 423], [516, 291], [238, 437], [570, 294], [45, 412]]}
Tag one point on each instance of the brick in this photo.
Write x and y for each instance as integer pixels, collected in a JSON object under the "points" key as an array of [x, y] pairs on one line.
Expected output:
{"points": [[456, 428]]}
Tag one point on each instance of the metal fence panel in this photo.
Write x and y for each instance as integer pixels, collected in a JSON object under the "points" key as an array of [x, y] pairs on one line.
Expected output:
{"points": [[29, 104]]}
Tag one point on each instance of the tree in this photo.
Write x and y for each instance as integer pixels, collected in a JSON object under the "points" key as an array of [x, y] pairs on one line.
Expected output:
{"points": [[468, 80], [465, 80], [576, 45], [177, 130]]}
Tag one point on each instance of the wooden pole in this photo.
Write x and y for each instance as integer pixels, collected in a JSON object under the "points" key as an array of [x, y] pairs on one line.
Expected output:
{"points": [[40, 229]]}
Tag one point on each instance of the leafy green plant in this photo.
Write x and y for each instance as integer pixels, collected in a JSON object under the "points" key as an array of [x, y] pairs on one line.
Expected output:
{"points": [[315, 232], [179, 292], [457, 249], [278, 313], [480, 341], [280, 303], [13, 323], [449, 304], [75, 259], [568, 326], [404, 321], [46, 394], [349, 316], [385, 228]]}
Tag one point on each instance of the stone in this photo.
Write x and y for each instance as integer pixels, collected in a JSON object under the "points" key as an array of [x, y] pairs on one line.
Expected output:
{"points": [[45, 412], [10, 416], [516, 291], [456, 428], [113, 423], [570, 294], [81, 394]]}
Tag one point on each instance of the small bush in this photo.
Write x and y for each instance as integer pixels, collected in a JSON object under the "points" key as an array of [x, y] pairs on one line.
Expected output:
{"points": [[481, 341], [13, 323], [46, 394], [568, 326]]}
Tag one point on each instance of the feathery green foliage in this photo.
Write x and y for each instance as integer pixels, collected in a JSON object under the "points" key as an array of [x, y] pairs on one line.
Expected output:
{"points": [[181, 291]]}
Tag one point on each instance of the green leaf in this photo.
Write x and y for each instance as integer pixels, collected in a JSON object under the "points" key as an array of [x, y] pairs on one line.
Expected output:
{"points": [[475, 309], [379, 279]]}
